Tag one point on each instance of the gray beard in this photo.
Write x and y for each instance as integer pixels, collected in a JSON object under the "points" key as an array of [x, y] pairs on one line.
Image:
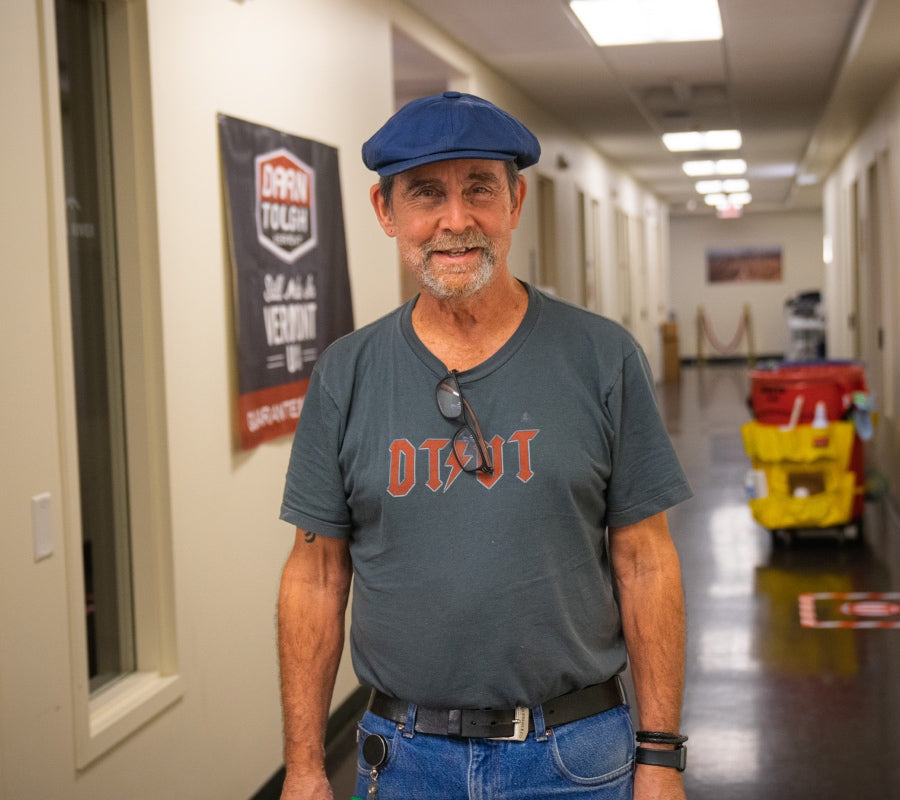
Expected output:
{"points": [[432, 284]]}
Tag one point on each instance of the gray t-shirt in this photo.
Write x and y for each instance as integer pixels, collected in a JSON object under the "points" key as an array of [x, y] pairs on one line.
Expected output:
{"points": [[483, 590]]}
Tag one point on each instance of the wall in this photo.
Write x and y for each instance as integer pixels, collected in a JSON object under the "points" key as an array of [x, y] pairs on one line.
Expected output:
{"points": [[864, 240], [319, 70], [35, 715], [799, 234]]}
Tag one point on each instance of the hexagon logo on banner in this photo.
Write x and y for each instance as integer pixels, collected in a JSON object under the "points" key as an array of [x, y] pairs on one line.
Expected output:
{"points": [[285, 205]]}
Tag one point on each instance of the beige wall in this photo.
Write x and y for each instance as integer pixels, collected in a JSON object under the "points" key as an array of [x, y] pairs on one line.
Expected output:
{"points": [[865, 239], [35, 713], [318, 70], [799, 234]]}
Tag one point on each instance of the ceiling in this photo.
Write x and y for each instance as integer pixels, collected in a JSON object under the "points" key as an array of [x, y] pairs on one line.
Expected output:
{"points": [[799, 78]]}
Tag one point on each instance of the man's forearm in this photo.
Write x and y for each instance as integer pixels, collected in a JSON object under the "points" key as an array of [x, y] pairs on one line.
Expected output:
{"points": [[311, 605], [654, 626], [653, 620], [648, 575]]}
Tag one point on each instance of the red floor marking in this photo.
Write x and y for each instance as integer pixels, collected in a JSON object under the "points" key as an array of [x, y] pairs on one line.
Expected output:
{"points": [[861, 610]]}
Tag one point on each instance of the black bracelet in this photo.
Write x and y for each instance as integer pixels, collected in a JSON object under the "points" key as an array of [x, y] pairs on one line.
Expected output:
{"points": [[660, 737], [673, 759]]}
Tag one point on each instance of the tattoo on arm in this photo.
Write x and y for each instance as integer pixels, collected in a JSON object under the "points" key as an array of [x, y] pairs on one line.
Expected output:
{"points": [[310, 537]]}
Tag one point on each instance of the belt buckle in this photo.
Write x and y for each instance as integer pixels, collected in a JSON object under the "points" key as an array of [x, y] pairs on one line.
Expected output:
{"points": [[520, 727]]}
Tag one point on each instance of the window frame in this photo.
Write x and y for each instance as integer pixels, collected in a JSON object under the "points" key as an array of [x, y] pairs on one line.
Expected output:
{"points": [[106, 717]]}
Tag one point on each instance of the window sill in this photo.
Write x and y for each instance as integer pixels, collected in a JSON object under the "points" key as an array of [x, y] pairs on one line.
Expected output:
{"points": [[120, 709]]}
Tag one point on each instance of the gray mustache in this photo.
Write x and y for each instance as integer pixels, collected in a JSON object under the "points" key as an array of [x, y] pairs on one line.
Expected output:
{"points": [[460, 241]]}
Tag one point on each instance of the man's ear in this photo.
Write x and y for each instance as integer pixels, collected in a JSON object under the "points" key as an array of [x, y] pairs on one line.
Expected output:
{"points": [[521, 190], [382, 210]]}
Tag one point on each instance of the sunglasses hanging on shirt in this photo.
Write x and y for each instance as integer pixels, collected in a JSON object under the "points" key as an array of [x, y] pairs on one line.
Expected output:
{"points": [[471, 451]]}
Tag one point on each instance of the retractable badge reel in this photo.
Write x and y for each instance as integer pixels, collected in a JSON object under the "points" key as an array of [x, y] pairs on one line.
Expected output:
{"points": [[374, 753]]}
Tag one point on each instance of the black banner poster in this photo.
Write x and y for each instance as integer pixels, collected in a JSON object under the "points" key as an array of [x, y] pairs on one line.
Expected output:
{"points": [[288, 257]]}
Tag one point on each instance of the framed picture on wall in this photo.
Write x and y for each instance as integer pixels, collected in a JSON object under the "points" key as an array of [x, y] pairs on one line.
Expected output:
{"points": [[730, 264]]}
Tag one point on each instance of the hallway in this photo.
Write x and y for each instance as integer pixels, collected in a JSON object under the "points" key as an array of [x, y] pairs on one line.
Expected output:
{"points": [[774, 710]]}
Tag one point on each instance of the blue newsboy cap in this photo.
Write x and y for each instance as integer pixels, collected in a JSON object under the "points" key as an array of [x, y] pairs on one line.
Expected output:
{"points": [[447, 126]]}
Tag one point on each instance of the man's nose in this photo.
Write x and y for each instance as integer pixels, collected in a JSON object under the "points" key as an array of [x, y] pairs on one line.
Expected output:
{"points": [[456, 214]]}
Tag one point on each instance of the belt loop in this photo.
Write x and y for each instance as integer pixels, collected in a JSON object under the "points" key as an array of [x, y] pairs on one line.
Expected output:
{"points": [[540, 727], [623, 695], [454, 722], [409, 727]]}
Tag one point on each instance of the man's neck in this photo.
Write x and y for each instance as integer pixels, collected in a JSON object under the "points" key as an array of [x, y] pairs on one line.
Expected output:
{"points": [[463, 332]]}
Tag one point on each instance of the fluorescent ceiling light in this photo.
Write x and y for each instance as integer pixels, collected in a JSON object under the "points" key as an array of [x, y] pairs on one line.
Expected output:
{"points": [[739, 198], [728, 186], [620, 22], [699, 169], [732, 185], [724, 166], [721, 200], [709, 187], [693, 141], [731, 166]]}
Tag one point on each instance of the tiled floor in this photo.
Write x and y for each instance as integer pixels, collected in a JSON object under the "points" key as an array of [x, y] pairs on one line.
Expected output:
{"points": [[774, 710]]}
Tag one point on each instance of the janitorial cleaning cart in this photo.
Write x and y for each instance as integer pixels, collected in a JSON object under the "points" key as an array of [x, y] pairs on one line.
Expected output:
{"points": [[805, 443]]}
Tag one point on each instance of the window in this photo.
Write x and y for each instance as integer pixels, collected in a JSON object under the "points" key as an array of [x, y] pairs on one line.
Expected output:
{"points": [[96, 339], [124, 666]]}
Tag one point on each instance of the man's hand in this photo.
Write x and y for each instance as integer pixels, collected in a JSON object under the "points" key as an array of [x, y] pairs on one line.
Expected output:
{"points": [[657, 783], [306, 787]]}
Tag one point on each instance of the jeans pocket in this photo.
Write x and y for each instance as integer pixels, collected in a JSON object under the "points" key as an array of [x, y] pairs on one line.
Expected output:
{"points": [[371, 725], [596, 750]]}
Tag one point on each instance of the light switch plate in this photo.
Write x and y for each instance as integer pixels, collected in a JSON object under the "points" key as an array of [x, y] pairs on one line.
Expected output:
{"points": [[42, 526]]}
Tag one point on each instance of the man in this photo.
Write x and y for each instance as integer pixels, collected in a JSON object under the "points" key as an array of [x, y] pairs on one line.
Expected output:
{"points": [[489, 466]]}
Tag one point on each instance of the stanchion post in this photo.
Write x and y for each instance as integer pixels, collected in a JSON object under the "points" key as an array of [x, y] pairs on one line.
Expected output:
{"points": [[701, 317], [748, 327], [700, 358]]}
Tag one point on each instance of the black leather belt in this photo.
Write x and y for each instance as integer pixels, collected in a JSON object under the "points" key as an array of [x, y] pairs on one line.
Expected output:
{"points": [[492, 723]]}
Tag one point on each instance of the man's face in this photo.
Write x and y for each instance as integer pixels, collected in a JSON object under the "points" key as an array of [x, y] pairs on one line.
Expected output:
{"points": [[453, 221]]}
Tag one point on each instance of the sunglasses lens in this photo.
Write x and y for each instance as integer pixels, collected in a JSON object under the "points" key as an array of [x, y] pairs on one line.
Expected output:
{"points": [[449, 400], [467, 450]]}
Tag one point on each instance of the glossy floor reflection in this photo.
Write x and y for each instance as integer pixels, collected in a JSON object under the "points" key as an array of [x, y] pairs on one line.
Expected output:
{"points": [[775, 711]]}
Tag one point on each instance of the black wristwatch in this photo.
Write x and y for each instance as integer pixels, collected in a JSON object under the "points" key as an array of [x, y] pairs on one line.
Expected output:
{"points": [[675, 759]]}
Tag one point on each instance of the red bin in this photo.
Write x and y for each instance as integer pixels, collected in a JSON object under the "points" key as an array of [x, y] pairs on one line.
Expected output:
{"points": [[776, 392]]}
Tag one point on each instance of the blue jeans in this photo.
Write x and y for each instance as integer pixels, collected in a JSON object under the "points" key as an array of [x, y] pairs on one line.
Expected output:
{"points": [[590, 759]]}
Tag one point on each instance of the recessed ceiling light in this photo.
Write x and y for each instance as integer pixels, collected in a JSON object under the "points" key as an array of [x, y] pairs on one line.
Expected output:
{"points": [[724, 166], [694, 141], [732, 185], [699, 169], [739, 198], [709, 187], [731, 166], [723, 200], [621, 22]]}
